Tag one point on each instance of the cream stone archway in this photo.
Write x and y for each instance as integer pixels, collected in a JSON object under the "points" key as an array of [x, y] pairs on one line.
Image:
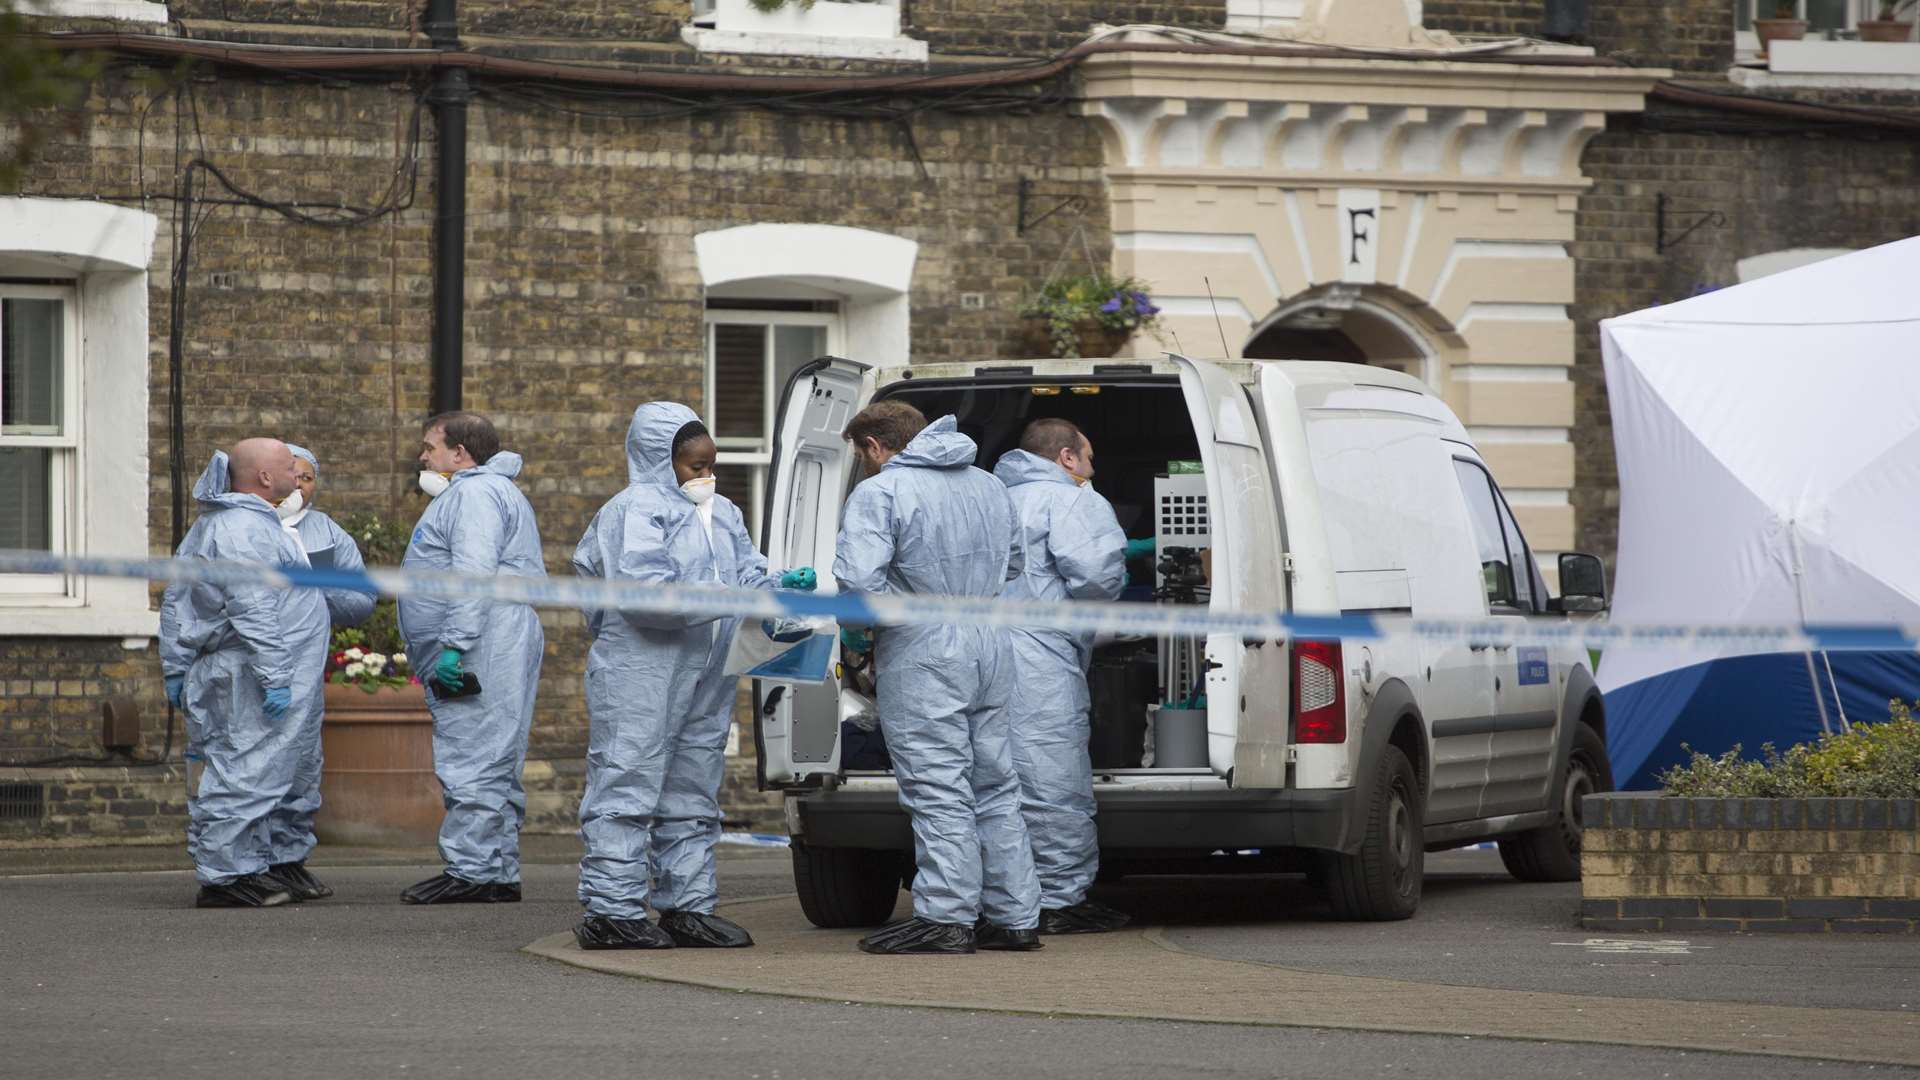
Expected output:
{"points": [[1357, 172]]}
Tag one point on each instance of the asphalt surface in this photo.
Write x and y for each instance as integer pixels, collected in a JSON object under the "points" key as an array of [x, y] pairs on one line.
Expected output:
{"points": [[113, 974]]}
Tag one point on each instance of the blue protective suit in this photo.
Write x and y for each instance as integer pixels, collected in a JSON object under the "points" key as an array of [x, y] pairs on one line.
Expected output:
{"points": [[931, 523], [480, 525], [233, 644], [327, 545], [658, 701], [1074, 549]]}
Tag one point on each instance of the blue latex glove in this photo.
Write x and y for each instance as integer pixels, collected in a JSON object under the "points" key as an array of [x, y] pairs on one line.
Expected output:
{"points": [[279, 700], [176, 686], [856, 639], [446, 669], [1142, 546], [803, 579]]}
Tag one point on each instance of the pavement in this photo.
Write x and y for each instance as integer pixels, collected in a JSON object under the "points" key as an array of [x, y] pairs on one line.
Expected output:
{"points": [[110, 973]]}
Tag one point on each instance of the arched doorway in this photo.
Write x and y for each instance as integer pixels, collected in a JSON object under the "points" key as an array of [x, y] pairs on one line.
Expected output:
{"points": [[1343, 324]]}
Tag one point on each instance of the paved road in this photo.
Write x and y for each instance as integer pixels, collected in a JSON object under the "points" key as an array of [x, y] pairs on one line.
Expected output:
{"points": [[111, 974]]}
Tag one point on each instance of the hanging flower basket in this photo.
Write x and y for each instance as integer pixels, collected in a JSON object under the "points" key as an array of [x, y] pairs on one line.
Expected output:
{"points": [[1086, 315]]}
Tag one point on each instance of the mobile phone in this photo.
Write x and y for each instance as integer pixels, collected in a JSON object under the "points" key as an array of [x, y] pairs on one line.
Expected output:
{"points": [[469, 686]]}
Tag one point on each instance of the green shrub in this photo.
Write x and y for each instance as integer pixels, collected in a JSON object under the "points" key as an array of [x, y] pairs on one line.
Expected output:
{"points": [[1878, 761]]}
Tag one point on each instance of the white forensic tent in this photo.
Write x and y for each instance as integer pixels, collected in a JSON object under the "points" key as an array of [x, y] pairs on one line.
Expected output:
{"points": [[1768, 441]]}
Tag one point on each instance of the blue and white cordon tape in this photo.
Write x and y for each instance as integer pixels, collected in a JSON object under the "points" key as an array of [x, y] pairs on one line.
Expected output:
{"points": [[876, 609]]}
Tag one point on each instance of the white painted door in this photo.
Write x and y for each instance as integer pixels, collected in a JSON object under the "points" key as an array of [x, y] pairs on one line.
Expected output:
{"points": [[797, 727], [1247, 683]]}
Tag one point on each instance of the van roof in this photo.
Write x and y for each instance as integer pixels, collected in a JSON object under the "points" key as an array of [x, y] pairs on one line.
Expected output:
{"points": [[1323, 372]]}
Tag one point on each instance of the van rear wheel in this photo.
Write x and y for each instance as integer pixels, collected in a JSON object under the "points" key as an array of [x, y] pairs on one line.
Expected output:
{"points": [[1552, 852], [1381, 882], [846, 887]]}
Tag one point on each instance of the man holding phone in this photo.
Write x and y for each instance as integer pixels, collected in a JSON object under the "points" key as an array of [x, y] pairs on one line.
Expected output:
{"points": [[480, 660]]}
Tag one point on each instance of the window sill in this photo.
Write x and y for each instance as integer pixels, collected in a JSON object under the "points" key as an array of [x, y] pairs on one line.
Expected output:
{"points": [[817, 45], [121, 10], [1835, 65], [27, 620]]}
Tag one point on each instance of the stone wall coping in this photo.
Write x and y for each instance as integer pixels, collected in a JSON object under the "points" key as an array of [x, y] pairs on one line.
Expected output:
{"points": [[1653, 810], [52, 774]]}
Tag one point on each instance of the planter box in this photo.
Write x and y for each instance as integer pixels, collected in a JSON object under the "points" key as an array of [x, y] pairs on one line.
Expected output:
{"points": [[378, 787], [1795, 865]]}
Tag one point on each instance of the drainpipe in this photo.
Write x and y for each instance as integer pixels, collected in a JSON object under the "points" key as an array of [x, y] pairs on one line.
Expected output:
{"points": [[449, 98]]}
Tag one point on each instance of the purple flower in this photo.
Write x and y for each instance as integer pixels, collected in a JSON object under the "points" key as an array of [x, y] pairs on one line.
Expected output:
{"points": [[1112, 305], [1143, 306]]}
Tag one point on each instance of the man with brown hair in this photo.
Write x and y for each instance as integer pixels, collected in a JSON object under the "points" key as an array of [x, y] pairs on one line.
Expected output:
{"points": [[480, 660], [926, 522]]}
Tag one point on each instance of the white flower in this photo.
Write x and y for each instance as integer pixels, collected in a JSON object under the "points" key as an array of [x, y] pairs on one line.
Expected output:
{"points": [[356, 669], [376, 661], [399, 658], [355, 653]]}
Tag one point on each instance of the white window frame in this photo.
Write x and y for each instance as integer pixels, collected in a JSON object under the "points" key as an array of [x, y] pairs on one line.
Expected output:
{"points": [[861, 29], [757, 454], [142, 11], [65, 509], [106, 251]]}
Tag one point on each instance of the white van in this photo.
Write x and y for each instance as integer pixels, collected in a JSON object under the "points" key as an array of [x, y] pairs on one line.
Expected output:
{"points": [[1320, 487]]}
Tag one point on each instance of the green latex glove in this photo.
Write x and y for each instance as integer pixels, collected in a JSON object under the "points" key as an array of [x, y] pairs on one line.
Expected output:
{"points": [[856, 639], [1142, 546], [446, 669], [803, 579]]}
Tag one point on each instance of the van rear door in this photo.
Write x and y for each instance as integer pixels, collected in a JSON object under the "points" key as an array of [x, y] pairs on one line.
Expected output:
{"points": [[1247, 683], [797, 727]]}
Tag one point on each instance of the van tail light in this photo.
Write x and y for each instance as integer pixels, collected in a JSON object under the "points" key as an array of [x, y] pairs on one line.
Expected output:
{"points": [[1319, 693]]}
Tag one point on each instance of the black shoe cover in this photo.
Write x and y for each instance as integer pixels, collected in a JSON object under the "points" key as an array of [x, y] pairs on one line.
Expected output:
{"points": [[254, 890], [1085, 917], [447, 889], [987, 936], [601, 932], [299, 881], [918, 936], [692, 930]]}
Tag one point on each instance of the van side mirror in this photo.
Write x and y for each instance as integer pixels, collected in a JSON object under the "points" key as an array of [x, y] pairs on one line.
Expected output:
{"points": [[1583, 583]]}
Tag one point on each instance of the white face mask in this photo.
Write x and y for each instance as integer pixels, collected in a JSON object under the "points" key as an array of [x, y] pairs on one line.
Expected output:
{"points": [[291, 507], [433, 483], [698, 490]]}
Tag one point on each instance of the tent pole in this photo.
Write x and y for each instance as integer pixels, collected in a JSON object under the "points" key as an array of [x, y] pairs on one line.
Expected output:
{"points": [[1839, 705], [1800, 598]]}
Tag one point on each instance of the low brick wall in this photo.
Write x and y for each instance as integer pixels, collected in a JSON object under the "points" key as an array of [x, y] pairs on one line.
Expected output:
{"points": [[125, 804], [1792, 865]]}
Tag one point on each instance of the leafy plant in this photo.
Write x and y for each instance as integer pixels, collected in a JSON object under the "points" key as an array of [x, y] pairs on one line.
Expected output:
{"points": [[1067, 303], [1880, 761], [1891, 9], [372, 655], [775, 5]]}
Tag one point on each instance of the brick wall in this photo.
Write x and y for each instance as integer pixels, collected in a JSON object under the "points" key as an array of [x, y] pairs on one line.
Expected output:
{"points": [[1776, 191], [104, 804], [1687, 35], [1796, 865], [584, 299]]}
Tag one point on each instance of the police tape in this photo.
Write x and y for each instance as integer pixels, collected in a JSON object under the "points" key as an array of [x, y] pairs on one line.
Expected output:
{"points": [[880, 609]]}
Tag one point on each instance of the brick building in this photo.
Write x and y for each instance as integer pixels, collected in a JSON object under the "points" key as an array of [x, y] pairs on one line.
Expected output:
{"points": [[666, 198]]}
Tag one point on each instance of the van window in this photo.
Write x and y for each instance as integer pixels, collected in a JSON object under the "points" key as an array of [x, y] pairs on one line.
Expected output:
{"points": [[1530, 592], [1490, 532]]}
